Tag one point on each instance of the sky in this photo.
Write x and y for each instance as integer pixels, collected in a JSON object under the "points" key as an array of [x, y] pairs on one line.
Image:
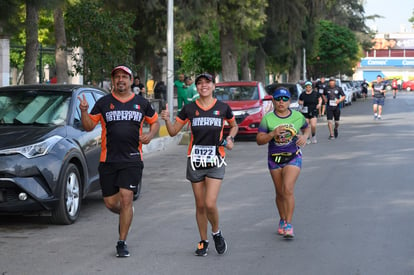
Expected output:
{"points": [[395, 13]]}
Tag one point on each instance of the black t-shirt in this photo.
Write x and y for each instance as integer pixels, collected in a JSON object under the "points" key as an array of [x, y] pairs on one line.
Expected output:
{"points": [[364, 86], [333, 94], [121, 126], [320, 86], [310, 100], [137, 89], [206, 123]]}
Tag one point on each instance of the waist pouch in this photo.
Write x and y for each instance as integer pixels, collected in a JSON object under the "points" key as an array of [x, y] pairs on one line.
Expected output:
{"points": [[284, 157]]}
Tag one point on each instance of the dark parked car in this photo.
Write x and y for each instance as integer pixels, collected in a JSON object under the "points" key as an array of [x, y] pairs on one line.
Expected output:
{"points": [[246, 99], [48, 163]]}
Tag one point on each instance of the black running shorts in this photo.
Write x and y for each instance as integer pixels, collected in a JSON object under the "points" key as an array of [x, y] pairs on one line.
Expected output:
{"points": [[113, 176], [333, 113]]}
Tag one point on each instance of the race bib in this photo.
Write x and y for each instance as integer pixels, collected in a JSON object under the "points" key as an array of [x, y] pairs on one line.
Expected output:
{"points": [[332, 102], [203, 154], [305, 109], [321, 91]]}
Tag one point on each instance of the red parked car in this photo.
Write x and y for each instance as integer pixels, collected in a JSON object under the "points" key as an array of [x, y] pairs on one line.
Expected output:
{"points": [[408, 85], [246, 98]]}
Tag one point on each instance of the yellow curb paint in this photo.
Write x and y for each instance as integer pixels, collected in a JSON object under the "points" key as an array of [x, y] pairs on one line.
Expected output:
{"points": [[163, 131]]}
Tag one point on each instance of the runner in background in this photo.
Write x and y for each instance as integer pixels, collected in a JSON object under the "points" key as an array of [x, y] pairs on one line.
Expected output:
{"points": [[310, 102], [320, 86], [394, 86]]}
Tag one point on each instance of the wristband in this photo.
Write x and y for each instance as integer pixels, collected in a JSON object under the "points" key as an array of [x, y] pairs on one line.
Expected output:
{"points": [[232, 138]]}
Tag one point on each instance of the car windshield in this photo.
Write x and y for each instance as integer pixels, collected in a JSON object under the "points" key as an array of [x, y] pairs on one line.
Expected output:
{"points": [[33, 108], [236, 93]]}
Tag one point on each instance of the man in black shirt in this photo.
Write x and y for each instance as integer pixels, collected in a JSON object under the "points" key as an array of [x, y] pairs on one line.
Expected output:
{"points": [[364, 89], [320, 87], [121, 114], [378, 94], [137, 87], [333, 95]]}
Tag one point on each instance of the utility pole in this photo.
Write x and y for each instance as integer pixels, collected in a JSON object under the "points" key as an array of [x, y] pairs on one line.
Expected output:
{"points": [[304, 64], [170, 58]]}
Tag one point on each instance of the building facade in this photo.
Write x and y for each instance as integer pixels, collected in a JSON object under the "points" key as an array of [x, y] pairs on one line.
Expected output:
{"points": [[391, 57]]}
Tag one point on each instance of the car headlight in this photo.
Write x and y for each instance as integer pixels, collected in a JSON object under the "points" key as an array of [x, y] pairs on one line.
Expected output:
{"points": [[33, 150], [254, 111]]}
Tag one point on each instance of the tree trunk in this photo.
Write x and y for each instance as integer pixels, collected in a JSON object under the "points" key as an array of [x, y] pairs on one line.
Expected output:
{"points": [[32, 44], [228, 55], [157, 67], [260, 65], [60, 54], [294, 71], [244, 64]]}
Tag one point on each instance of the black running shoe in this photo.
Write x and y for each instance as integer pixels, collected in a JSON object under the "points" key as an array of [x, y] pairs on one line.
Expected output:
{"points": [[202, 248], [221, 245], [122, 249], [336, 132]]}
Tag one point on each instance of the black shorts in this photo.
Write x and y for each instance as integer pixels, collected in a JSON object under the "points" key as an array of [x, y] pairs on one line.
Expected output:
{"points": [[333, 113], [311, 114], [113, 176]]}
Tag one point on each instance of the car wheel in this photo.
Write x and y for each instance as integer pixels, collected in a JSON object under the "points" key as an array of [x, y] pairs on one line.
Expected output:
{"points": [[136, 195], [70, 196]]}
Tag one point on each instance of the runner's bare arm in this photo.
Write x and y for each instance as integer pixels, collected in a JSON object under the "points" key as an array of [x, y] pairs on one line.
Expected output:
{"points": [[87, 122], [173, 129], [147, 137], [264, 138]]}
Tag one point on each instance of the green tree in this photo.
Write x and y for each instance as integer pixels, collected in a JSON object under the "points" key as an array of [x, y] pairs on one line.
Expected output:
{"points": [[338, 49], [106, 38], [39, 25], [201, 53], [411, 20], [238, 22], [277, 50], [150, 27], [8, 20]]}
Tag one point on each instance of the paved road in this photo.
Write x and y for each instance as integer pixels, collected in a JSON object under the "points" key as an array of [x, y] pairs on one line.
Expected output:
{"points": [[354, 212]]}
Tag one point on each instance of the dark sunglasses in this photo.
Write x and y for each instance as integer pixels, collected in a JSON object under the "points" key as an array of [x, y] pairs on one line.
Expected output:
{"points": [[283, 98]]}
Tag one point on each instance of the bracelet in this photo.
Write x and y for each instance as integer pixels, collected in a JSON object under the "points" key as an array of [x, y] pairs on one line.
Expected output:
{"points": [[232, 138]]}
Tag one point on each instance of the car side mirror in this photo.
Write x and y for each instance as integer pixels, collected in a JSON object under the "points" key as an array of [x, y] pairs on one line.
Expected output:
{"points": [[268, 97]]}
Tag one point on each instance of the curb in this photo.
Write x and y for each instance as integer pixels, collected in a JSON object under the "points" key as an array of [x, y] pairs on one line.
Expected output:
{"points": [[161, 143]]}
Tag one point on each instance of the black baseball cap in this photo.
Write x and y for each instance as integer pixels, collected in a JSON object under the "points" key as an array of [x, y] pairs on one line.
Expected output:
{"points": [[206, 76]]}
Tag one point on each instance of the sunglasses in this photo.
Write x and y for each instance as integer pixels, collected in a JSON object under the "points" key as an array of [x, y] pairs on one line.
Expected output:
{"points": [[283, 98]]}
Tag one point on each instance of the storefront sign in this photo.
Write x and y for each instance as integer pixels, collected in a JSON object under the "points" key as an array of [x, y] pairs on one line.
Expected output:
{"points": [[381, 62]]}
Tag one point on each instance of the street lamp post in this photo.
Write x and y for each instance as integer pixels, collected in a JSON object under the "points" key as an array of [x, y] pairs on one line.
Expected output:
{"points": [[170, 58]]}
